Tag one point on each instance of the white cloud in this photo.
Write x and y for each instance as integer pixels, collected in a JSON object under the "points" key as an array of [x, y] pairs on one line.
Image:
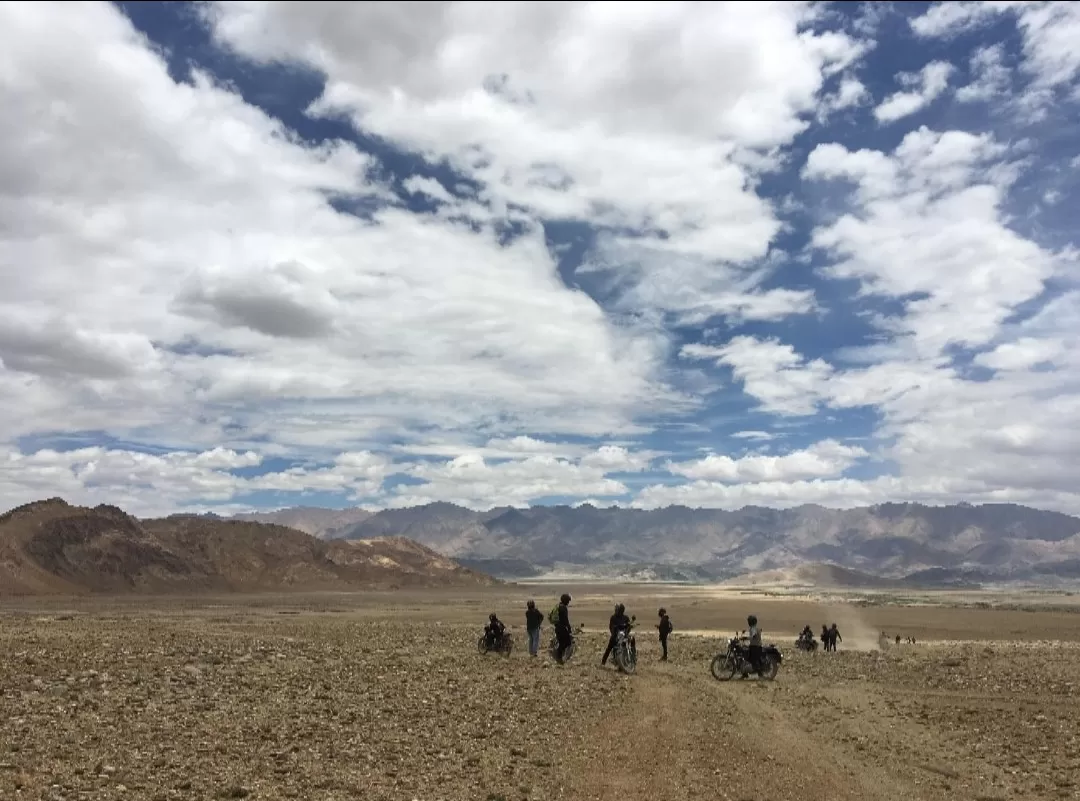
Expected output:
{"points": [[770, 371], [1050, 31], [176, 272], [850, 93], [637, 118], [149, 483], [990, 77], [763, 436], [822, 459], [928, 85], [928, 227], [469, 480], [169, 247]]}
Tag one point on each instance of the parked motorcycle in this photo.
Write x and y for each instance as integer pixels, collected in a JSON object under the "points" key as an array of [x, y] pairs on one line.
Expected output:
{"points": [[503, 645], [736, 659], [625, 651]]}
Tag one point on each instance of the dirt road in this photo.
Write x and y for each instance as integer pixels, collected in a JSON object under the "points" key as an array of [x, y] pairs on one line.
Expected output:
{"points": [[928, 723]]}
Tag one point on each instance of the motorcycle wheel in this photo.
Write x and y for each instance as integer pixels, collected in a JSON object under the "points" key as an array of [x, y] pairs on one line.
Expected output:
{"points": [[769, 668], [481, 645], [508, 646], [627, 662], [722, 668]]}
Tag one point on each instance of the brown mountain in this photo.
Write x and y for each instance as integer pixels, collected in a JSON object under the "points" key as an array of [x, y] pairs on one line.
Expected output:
{"points": [[51, 547], [313, 520]]}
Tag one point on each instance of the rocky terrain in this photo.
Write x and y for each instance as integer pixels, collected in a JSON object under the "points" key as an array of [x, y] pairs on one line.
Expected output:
{"points": [[384, 697], [925, 546], [51, 547]]}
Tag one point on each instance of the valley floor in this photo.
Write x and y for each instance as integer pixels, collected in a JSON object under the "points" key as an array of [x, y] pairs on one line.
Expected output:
{"points": [[380, 697]]}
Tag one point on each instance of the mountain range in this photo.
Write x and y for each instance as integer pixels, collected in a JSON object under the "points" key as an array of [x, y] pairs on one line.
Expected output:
{"points": [[52, 547], [934, 545]]}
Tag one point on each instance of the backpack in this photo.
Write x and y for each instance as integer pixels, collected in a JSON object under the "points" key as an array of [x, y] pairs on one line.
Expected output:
{"points": [[553, 616]]}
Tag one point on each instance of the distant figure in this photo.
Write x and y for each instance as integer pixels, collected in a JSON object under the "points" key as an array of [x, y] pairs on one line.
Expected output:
{"points": [[665, 628], [494, 630], [897, 639], [618, 622], [834, 637], [883, 641], [825, 636], [534, 619], [754, 651], [563, 633]]}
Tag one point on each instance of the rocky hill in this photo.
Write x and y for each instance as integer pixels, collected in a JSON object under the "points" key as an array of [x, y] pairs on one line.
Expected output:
{"points": [[944, 545], [313, 520], [51, 547]]}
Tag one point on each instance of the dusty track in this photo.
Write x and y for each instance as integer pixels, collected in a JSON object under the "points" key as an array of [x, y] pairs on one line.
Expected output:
{"points": [[384, 702]]}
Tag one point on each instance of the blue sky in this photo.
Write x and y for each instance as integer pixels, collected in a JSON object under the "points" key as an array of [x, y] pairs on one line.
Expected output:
{"points": [[268, 254]]}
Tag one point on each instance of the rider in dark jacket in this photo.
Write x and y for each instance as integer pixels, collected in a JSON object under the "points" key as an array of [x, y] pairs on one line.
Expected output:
{"points": [[618, 622], [563, 632], [665, 627], [534, 619], [754, 650], [494, 630]]}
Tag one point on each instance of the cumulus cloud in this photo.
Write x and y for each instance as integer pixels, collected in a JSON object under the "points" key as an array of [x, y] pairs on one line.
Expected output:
{"points": [[926, 86], [584, 111], [822, 459], [1049, 31], [990, 77], [470, 480], [158, 483]]}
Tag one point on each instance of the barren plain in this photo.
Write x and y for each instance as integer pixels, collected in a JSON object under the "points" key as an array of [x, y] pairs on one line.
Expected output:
{"points": [[382, 696]]}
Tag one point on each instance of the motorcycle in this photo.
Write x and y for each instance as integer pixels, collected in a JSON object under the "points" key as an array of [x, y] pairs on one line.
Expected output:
{"points": [[625, 651], [805, 643], [736, 659], [503, 645]]}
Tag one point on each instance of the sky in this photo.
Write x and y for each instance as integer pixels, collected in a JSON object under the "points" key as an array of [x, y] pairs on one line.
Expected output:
{"points": [[256, 255]]}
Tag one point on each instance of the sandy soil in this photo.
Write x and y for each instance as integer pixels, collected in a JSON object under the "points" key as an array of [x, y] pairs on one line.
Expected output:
{"points": [[380, 697]]}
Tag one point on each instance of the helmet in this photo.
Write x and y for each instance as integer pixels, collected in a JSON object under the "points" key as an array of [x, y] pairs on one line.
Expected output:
{"points": [[662, 611], [531, 605], [752, 620], [565, 598], [493, 617], [620, 609]]}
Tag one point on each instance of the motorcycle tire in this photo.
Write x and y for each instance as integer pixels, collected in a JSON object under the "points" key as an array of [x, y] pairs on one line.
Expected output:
{"points": [[508, 646], [481, 645], [769, 667], [722, 668], [626, 661]]}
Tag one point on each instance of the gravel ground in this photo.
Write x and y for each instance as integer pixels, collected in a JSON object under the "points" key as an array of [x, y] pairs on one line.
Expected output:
{"points": [[227, 703]]}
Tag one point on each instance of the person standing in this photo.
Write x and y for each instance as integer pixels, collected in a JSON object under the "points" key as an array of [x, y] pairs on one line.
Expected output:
{"points": [[563, 633], [754, 635], [534, 619], [834, 637], [665, 628]]}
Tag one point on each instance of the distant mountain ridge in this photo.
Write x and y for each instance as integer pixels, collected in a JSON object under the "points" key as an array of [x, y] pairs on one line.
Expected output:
{"points": [[52, 547], [939, 545], [313, 520]]}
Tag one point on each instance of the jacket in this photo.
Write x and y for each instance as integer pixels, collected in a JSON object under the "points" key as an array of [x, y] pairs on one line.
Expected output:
{"points": [[534, 619]]}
